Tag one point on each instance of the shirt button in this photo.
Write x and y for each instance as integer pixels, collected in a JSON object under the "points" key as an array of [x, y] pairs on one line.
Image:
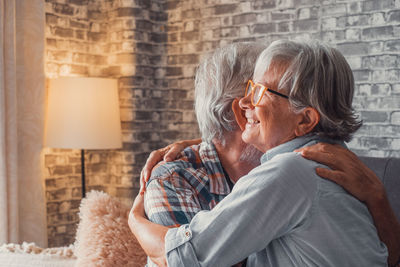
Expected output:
{"points": [[188, 234]]}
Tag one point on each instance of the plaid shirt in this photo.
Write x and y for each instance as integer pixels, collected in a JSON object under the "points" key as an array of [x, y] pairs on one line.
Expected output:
{"points": [[178, 190]]}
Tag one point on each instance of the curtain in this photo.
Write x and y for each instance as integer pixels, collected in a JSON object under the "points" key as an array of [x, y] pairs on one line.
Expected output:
{"points": [[22, 102]]}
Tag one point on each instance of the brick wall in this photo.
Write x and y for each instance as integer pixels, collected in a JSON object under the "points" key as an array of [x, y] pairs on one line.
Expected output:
{"points": [[367, 33], [125, 40], [153, 46]]}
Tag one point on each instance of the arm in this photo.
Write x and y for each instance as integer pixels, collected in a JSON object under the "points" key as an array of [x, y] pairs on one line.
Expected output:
{"points": [[167, 153], [234, 239], [360, 181], [170, 201], [149, 235]]}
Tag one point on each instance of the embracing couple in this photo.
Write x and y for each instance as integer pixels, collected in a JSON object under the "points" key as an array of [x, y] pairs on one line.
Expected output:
{"points": [[246, 194]]}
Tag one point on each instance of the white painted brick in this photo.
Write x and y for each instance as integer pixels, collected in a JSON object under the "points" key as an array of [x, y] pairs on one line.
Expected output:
{"points": [[396, 88], [128, 70], [395, 144], [353, 34], [160, 73], [375, 47], [304, 13], [354, 7], [263, 17], [244, 31], [127, 137], [379, 75], [365, 89], [189, 71], [283, 4], [188, 26], [94, 158], [207, 34], [328, 23], [61, 229], [64, 207], [395, 118], [48, 7], [354, 62], [245, 7], [126, 3], [65, 70], [377, 19], [127, 115]]}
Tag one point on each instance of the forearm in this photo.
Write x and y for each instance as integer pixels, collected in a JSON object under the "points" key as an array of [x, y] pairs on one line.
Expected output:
{"points": [[387, 225], [150, 236]]}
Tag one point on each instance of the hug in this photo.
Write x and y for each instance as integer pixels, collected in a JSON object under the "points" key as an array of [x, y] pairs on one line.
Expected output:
{"points": [[245, 195]]}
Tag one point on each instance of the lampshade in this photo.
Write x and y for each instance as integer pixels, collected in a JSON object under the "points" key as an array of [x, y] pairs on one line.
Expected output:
{"points": [[83, 113]]}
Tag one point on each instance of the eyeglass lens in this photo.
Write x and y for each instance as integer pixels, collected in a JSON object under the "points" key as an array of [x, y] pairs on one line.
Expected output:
{"points": [[258, 91]]}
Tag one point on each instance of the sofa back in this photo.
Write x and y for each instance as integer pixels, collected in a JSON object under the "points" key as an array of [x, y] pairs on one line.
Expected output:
{"points": [[388, 170]]}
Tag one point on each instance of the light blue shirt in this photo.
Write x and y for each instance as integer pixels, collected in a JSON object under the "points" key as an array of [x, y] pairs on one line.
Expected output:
{"points": [[281, 214]]}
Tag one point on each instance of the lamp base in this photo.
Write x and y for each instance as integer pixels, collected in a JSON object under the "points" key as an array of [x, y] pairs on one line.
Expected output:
{"points": [[83, 173]]}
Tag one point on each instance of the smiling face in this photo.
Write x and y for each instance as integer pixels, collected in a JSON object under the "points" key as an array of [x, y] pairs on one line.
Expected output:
{"points": [[271, 122]]}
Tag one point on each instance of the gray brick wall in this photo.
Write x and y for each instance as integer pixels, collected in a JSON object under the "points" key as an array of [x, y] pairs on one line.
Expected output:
{"points": [[153, 46]]}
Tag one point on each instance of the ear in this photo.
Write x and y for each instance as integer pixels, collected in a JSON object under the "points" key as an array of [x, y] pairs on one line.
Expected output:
{"points": [[239, 114], [309, 118]]}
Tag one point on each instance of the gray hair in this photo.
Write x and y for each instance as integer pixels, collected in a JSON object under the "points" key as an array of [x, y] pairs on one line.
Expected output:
{"points": [[318, 76], [220, 78]]}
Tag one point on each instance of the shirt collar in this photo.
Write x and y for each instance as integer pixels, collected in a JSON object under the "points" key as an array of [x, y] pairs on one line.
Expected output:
{"points": [[217, 179], [306, 140]]}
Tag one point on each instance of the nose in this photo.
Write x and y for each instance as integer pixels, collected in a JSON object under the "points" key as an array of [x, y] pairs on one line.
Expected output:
{"points": [[245, 102]]}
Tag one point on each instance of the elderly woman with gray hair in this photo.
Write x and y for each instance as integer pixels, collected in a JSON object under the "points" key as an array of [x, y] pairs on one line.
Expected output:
{"points": [[283, 213]]}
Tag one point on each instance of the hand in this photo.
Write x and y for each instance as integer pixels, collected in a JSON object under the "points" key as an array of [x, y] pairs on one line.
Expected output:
{"points": [[351, 173], [168, 153], [347, 170]]}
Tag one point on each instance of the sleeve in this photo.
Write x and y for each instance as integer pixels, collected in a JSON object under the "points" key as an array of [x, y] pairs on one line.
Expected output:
{"points": [[271, 201], [170, 201]]}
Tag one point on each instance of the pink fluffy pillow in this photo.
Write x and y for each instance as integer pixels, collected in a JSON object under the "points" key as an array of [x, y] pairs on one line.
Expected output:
{"points": [[103, 237]]}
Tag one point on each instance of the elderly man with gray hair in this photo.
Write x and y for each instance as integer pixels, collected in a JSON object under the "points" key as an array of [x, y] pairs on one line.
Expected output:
{"points": [[282, 213], [205, 173]]}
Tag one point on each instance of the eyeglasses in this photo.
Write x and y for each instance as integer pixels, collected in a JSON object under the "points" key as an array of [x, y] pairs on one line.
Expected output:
{"points": [[257, 92]]}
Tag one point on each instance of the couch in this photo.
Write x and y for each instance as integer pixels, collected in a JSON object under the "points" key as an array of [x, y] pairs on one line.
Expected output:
{"points": [[388, 170]]}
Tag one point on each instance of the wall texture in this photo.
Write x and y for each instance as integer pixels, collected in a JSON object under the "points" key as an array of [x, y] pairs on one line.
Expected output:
{"points": [[153, 46]]}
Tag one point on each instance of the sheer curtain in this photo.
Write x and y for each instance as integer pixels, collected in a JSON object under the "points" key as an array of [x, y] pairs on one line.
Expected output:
{"points": [[22, 98]]}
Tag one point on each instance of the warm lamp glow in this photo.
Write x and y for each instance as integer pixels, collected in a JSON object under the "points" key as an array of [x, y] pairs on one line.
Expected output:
{"points": [[83, 113]]}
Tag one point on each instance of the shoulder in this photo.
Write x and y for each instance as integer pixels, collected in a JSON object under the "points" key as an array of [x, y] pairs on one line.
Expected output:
{"points": [[183, 161], [185, 166], [293, 161], [287, 171]]}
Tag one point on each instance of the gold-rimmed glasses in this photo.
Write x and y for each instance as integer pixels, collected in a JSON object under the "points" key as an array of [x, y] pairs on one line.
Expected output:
{"points": [[257, 92]]}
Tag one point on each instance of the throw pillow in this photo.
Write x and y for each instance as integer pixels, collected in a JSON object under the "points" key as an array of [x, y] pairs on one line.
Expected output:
{"points": [[103, 237]]}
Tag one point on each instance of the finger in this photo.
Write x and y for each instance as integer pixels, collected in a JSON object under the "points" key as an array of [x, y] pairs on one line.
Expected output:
{"points": [[142, 183], [323, 148], [324, 158], [316, 148], [173, 152], [335, 176], [154, 158]]}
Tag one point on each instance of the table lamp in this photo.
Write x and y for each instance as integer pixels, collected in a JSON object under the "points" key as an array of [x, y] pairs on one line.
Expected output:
{"points": [[83, 113]]}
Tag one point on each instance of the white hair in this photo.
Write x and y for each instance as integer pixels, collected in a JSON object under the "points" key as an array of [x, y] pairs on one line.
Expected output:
{"points": [[316, 75], [220, 78]]}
